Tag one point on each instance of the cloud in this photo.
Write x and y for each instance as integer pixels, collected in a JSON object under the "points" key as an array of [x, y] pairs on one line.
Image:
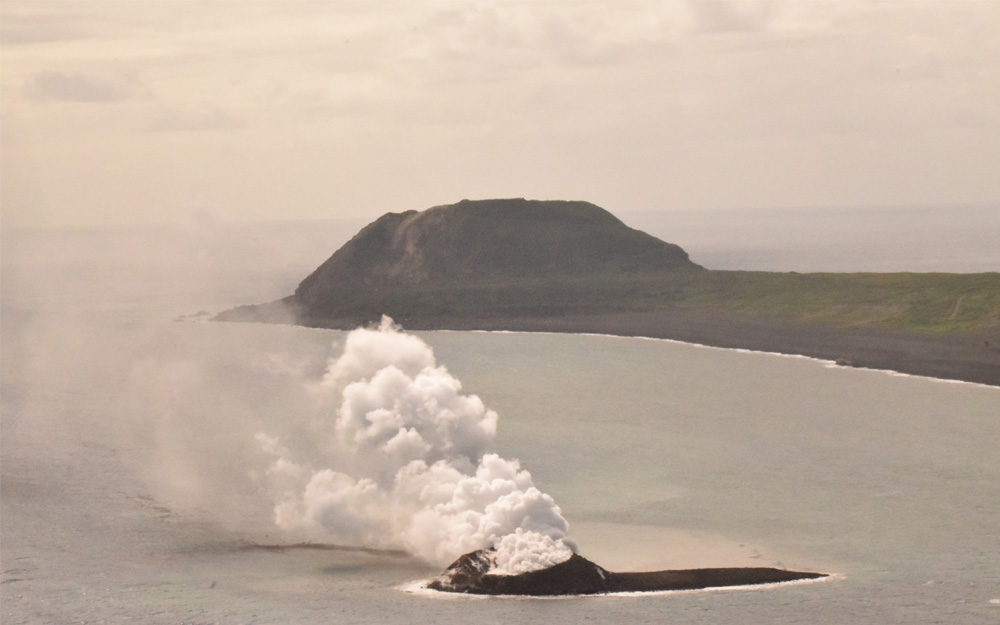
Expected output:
{"points": [[727, 16], [35, 23], [54, 86], [192, 119]]}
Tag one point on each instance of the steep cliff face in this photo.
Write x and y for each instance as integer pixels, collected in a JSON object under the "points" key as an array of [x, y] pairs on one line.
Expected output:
{"points": [[476, 241]]}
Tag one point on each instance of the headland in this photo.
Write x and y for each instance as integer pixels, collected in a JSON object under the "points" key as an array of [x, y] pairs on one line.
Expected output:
{"points": [[524, 265]]}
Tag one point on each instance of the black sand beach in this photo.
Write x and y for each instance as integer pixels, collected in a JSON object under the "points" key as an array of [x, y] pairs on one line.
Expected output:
{"points": [[968, 358], [551, 266]]}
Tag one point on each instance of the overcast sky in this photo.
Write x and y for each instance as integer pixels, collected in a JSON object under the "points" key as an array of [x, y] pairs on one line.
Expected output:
{"points": [[146, 111]]}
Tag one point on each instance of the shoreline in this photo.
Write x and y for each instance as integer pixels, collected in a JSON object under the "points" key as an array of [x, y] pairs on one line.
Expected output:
{"points": [[830, 364], [578, 576], [420, 589], [972, 358]]}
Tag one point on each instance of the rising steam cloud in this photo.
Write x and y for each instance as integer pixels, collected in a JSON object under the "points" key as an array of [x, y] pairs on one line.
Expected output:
{"points": [[406, 464]]}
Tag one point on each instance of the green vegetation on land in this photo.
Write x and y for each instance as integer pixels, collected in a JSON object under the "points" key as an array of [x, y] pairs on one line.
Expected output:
{"points": [[931, 303], [504, 259]]}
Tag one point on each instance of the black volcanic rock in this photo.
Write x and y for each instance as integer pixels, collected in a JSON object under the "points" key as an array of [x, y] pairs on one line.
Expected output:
{"points": [[476, 241], [575, 576], [579, 576]]}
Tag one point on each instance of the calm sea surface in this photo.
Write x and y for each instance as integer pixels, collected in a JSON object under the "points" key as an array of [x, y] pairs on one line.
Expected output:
{"points": [[949, 239], [129, 468]]}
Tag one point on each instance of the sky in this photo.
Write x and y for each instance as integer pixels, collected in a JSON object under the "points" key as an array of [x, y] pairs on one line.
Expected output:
{"points": [[155, 111]]}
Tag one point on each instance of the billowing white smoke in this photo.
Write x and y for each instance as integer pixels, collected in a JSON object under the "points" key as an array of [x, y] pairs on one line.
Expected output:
{"points": [[406, 464]]}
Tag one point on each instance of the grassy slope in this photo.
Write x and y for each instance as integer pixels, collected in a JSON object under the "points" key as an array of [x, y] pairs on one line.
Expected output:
{"points": [[899, 301], [909, 302]]}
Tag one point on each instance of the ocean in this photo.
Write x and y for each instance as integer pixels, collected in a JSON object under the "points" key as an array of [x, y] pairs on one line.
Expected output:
{"points": [[131, 487]]}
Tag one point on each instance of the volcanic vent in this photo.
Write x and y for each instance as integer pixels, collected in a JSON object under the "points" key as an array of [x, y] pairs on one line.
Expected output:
{"points": [[400, 458]]}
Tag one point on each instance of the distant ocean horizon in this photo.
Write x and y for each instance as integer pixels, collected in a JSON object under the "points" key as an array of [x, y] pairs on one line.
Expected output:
{"points": [[949, 239], [211, 261]]}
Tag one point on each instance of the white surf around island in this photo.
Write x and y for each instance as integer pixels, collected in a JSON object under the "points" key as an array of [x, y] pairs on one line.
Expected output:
{"points": [[419, 588]]}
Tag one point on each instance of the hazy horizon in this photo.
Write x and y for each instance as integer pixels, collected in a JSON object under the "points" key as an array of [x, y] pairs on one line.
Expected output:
{"points": [[952, 239]]}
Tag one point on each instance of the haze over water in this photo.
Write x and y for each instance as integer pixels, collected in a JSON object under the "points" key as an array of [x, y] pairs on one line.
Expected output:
{"points": [[129, 460], [958, 239]]}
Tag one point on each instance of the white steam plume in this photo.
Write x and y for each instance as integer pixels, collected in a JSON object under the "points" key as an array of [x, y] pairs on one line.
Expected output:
{"points": [[406, 464]]}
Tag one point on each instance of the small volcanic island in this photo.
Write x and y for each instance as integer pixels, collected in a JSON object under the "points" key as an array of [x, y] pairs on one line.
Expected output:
{"points": [[470, 574]]}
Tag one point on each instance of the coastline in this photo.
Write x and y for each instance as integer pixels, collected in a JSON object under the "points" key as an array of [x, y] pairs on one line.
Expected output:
{"points": [[419, 588], [578, 576], [973, 358], [831, 364]]}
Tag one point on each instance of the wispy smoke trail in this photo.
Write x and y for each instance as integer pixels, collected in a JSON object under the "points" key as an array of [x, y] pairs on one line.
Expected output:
{"points": [[407, 464]]}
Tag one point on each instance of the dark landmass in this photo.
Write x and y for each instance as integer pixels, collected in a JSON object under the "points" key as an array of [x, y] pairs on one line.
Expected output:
{"points": [[308, 546], [531, 266], [579, 576], [482, 241]]}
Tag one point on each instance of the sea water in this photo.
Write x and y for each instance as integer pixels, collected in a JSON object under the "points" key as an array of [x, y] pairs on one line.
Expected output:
{"points": [[130, 474], [958, 239]]}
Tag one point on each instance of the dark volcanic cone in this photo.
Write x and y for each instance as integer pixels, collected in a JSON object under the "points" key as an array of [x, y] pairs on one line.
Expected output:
{"points": [[476, 256], [579, 576], [489, 239], [395, 263]]}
